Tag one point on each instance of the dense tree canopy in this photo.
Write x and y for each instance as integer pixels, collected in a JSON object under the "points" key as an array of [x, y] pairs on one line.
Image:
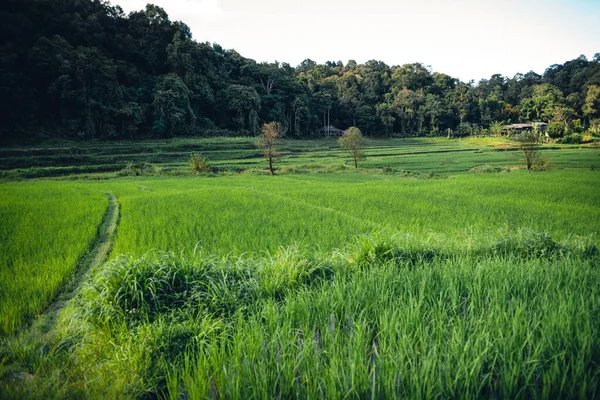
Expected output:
{"points": [[84, 69]]}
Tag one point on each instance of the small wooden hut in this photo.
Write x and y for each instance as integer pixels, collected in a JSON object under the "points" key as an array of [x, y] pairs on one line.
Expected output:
{"points": [[330, 131]]}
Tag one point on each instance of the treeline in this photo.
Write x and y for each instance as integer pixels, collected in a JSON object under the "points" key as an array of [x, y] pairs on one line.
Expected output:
{"points": [[84, 69]]}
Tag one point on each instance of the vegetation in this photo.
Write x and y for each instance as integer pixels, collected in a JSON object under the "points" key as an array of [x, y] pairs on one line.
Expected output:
{"points": [[199, 163], [422, 156], [439, 269], [270, 133], [484, 323], [353, 142], [45, 230], [528, 143], [116, 76], [235, 287]]}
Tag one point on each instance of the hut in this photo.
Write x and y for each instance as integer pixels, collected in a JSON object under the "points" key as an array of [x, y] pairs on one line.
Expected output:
{"points": [[520, 128], [329, 131]]}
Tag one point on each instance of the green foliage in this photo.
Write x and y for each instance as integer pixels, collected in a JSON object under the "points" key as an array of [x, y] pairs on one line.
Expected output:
{"points": [[200, 164], [294, 315], [528, 243], [572, 139], [541, 106], [320, 316], [556, 130], [163, 83], [137, 291], [353, 142]]}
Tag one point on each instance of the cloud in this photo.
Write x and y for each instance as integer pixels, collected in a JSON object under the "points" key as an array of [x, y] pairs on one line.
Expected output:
{"points": [[209, 9]]}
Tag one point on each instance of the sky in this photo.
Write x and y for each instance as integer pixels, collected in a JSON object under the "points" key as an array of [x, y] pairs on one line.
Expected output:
{"points": [[467, 39]]}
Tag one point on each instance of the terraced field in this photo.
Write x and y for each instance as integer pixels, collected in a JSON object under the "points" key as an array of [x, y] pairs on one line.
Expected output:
{"points": [[233, 155]]}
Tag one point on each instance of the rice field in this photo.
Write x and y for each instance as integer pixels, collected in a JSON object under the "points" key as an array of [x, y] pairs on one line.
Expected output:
{"points": [[435, 271], [45, 229], [256, 213]]}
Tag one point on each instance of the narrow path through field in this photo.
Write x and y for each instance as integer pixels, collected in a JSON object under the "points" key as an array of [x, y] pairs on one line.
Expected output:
{"points": [[97, 254]]}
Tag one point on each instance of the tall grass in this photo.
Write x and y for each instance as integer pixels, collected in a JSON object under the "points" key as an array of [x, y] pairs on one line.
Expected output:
{"points": [[45, 229], [458, 328], [376, 319], [46, 226]]}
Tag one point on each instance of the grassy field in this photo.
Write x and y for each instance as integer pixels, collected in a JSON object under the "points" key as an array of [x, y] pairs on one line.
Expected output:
{"points": [[233, 155], [45, 229], [255, 213], [438, 269]]}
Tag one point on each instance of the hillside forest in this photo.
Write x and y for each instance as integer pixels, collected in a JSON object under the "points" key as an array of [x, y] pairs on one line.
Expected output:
{"points": [[83, 69]]}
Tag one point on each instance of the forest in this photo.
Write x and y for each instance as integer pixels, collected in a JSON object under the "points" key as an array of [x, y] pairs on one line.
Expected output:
{"points": [[83, 69]]}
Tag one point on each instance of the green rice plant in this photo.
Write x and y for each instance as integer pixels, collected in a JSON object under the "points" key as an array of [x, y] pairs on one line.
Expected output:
{"points": [[295, 324], [45, 230], [287, 269], [134, 291], [493, 327], [242, 214], [528, 243]]}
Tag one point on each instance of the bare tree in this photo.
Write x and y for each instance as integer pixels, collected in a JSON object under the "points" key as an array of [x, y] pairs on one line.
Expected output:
{"points": [[353, 142], [266, 142]]}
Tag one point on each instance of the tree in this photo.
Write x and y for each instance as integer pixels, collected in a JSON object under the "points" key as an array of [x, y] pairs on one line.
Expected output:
{"points": [[244, 103], [591, 108], [353, 142], [528, 143], [556, 130], [172, 111], [542, 104], [266, 142]]}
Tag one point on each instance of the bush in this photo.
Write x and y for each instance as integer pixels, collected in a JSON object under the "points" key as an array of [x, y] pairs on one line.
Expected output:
{"points": [[137, 169], [541, 163], [588, 139], [572, 139], [465, 129], [527, 243], [556, 130], [199, 163]]}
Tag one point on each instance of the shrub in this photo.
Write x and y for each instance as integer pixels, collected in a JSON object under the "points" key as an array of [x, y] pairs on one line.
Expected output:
{"points": [[199, 163], [137, 169], [556, 130], [572, 139], [588, 139], [540, 163], [527, 243]]}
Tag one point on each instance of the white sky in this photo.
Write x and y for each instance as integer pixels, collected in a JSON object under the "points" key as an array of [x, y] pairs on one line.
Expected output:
{"points": [[468, 39]]}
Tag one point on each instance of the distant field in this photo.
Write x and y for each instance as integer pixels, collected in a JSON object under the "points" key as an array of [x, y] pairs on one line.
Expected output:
{"points": [[441, 268], [422, 155]]}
